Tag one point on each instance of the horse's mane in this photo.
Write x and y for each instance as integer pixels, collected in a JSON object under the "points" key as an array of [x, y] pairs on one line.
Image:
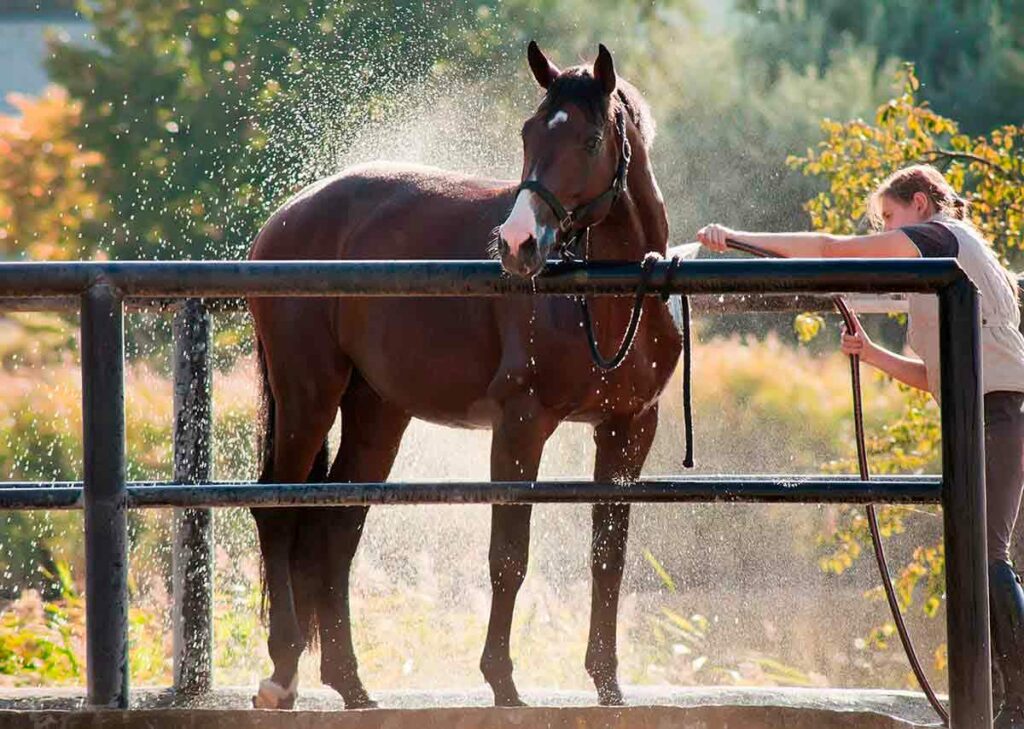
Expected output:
{"points": [[578, 86]]}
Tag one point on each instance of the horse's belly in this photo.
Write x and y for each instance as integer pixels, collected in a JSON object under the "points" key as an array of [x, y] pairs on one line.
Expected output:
{"points": [[434, 358], [585, 394]]}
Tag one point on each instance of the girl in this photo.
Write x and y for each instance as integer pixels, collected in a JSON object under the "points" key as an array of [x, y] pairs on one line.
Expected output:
{"points": [[919, 215]]}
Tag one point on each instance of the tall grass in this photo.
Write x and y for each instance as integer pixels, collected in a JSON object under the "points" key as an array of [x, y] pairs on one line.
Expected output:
{"points": [[709, 591]]}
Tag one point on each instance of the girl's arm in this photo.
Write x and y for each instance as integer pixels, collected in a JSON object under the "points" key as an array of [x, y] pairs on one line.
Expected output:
{"points": [[908, 370], [891, 244]]}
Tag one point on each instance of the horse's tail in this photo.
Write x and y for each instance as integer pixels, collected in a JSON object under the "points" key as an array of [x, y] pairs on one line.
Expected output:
{"points": [[307, 556], [267, 413], [265, 452]]}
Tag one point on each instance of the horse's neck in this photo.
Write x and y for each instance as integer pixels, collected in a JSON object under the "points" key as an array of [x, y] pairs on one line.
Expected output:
{"points": [[638, 221]]}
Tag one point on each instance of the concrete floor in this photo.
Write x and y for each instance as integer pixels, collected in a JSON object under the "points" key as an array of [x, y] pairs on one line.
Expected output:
{"points": [[650, 708]]}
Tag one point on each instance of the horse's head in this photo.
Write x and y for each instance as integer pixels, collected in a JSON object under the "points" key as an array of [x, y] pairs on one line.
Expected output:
{"points": [[574, 161]]}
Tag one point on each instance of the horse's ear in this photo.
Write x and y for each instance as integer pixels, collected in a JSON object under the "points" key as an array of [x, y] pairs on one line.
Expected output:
{"points": [[543, 70], [604, 70]]}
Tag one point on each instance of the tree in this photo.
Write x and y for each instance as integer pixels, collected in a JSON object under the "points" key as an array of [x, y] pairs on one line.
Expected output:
{"points": [[49, 208], [208, 114], [855, 156], [988, 170], [970, 55]]}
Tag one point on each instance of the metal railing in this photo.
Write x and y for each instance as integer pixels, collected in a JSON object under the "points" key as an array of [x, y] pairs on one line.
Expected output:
{"points": [[102, 290]]}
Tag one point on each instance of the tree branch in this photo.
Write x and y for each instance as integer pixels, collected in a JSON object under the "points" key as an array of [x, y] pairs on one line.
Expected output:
{"points": [[950, 155]]}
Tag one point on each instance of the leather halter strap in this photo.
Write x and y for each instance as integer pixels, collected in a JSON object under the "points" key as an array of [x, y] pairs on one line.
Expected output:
{"points": [[570, 222]]}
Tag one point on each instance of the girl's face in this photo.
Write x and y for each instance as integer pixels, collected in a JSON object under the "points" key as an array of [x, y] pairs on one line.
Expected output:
{"points": [[896, 213]]}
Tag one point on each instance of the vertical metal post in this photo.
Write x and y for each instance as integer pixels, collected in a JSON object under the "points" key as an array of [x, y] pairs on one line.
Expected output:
{"points": [[193, 541], [963, 508], [105, 498]]}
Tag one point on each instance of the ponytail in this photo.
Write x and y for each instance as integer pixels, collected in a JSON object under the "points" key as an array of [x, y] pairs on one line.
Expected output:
{"points": [[958, 208]]}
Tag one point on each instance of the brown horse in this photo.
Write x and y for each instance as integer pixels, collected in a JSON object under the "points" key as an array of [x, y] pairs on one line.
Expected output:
{"points": [[517, 365]]}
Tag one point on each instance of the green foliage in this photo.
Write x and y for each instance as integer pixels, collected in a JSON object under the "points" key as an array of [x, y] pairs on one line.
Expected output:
{"points": [[38, 642], [683, 644], [856, 155], [853, 158], [970, 53], [42, 641], [208, 114], [40, 439]]}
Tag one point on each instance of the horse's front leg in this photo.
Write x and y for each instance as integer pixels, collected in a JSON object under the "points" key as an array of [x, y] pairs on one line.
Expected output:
{"points": [[622, 447], [518, 441]]}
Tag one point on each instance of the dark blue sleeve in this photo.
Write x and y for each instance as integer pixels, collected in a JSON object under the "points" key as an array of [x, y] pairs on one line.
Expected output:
{"points": [[933, 240]]}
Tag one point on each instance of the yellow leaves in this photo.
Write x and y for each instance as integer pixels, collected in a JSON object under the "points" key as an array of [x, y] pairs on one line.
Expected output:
{"points": [[855, 155], [807, 326], [45, 195], [206, 25], [659, 569]]}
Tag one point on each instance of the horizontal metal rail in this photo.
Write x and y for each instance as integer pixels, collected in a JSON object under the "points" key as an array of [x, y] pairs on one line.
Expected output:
{"points": [[735, 488], [104, 289], [699, 304], [213, 279]]}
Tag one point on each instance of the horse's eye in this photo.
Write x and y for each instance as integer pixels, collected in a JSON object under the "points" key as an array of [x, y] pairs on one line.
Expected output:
{"points": [[593, 144]]}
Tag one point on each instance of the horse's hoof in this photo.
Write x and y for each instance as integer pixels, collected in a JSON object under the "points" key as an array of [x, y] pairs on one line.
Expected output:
{"points": [[366, 703], [505, 694], [359, 700], [610, 698], [272, 695], [610, 695], [352, 693]]}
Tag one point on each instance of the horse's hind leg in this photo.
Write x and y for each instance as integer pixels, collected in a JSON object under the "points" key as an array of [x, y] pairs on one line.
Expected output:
{"points": [[306, 400], [622, 447], [516, 449], [371, 432], [276, 531]]}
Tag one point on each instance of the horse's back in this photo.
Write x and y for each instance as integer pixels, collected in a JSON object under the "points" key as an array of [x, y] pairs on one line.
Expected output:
{"points": [[387, 211]]}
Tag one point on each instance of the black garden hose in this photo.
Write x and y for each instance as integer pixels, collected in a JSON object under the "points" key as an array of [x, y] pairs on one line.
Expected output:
{"points": [[862, 463]]}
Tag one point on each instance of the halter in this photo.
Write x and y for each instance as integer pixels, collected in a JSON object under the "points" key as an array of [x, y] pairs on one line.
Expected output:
{"points": [[574, 225], [569, 228]]}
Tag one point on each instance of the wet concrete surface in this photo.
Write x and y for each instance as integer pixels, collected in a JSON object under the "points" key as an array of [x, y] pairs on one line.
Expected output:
{"points": [[649, 708]]}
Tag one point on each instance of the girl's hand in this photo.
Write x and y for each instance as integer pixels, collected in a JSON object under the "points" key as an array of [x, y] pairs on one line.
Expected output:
{"points": [[713, 237], [857, 342]]}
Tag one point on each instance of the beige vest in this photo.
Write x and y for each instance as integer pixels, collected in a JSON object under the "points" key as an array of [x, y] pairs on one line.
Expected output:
{"points": [[1002, 346]]}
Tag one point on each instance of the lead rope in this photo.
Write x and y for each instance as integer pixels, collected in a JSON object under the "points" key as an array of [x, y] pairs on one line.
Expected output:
{"points": [[862, 463], [684, 320], [610, 363]]}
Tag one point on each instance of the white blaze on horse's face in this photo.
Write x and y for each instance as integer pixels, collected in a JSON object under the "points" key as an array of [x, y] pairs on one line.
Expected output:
{"points": [[521, 223], [523, 239], [557, 118]]}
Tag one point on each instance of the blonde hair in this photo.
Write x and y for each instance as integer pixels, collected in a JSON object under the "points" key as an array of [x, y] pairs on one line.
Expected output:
{"points": [[903, 184]]}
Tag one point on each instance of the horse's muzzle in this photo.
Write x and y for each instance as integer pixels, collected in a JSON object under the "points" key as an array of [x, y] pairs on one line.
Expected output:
{"points": [[526, 262]]}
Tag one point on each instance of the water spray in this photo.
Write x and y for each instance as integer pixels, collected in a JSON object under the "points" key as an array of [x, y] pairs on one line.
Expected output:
{"points": [[690, 250]]}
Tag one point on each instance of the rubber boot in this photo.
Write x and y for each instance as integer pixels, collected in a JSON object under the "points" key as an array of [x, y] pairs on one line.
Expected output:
{"points": [[1006, 599]]}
